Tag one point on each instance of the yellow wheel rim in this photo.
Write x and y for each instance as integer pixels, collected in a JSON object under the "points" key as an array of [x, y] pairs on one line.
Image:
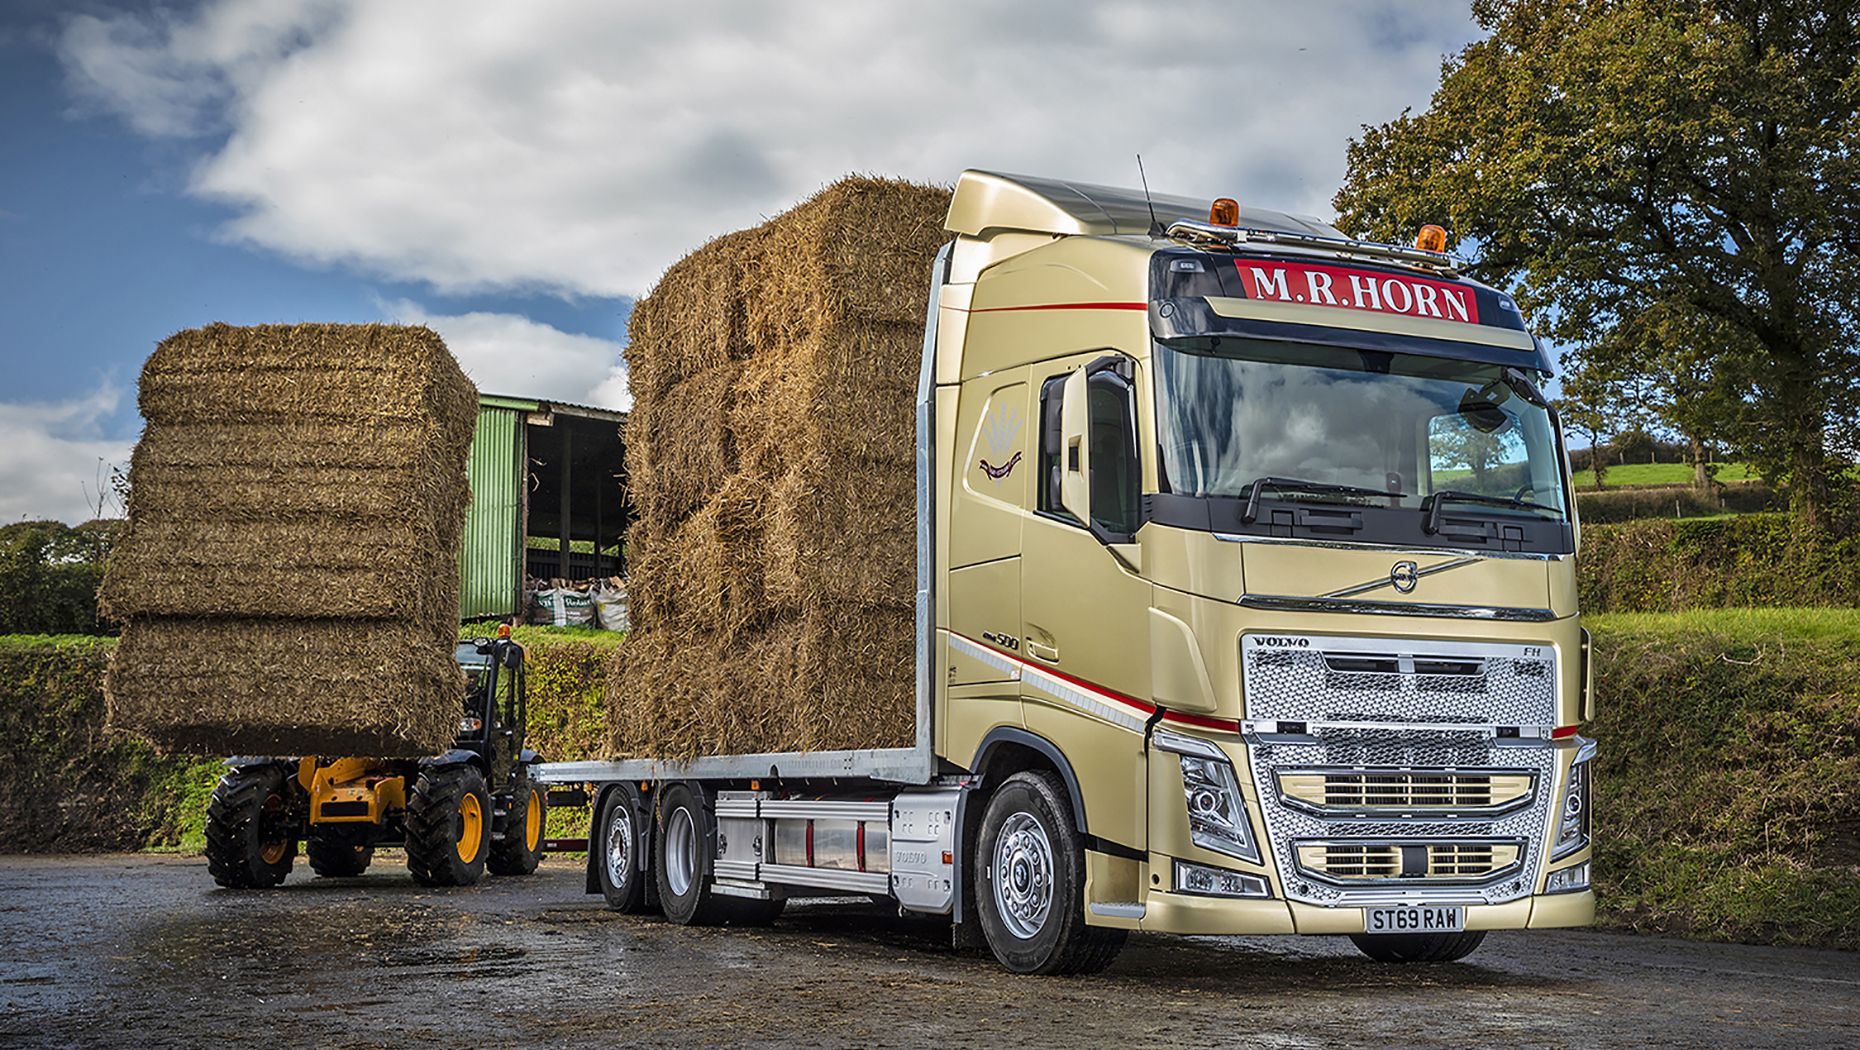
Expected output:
{"points": [[533, 821], [272, 852], [471, 828]]}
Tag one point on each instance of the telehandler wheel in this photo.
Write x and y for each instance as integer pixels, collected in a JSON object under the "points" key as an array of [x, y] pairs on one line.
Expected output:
{"points": [[334, 855], [249, 840], [684, 845], [1030, 882], [618, 829], [448, 826], [1417, 947], [521, 848]]}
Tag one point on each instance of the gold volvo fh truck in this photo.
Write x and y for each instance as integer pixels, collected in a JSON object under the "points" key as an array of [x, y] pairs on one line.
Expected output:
{"points": [[1246, 605]]}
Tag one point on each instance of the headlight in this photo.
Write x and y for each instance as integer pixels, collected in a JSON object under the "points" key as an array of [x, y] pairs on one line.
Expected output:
{"points": [[1217, 882], [1568, 880], [1216, 810], [470, 725], [1572, 822]]}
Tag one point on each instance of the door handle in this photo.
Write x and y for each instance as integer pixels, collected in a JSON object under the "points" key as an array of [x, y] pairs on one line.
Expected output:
{"points": [[1048, 653]]}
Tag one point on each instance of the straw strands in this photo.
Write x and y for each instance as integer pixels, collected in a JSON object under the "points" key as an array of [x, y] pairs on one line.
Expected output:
{"points": [[771, 459], [289, 578]]}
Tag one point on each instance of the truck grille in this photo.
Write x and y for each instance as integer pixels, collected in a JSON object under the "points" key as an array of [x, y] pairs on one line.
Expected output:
{"points": [[1341, 802], [1428, 861], [1395, 792]]}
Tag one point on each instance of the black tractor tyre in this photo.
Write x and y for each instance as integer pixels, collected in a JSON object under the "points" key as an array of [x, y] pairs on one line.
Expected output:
{"points": [[1417, 947], [250, 844], [621, 832], [1029, 877], [526, 819], [448, 826], [683, 846], [334, 855]]}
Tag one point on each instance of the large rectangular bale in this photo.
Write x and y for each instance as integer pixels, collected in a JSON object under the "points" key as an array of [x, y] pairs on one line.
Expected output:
{"points": [[285, 687], [289, 575], [297, 471], [789, 628]]}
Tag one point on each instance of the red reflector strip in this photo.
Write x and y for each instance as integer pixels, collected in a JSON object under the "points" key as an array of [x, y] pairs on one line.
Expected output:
{"points": [[860, 844], [1563, 732]]}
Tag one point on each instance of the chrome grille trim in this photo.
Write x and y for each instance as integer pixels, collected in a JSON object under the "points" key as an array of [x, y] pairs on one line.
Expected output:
{"points": [[1369, 793], [1305, 714]]}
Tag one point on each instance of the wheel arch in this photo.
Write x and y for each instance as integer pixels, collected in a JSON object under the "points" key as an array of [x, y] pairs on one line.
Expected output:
{"points": [[1008, 750]]}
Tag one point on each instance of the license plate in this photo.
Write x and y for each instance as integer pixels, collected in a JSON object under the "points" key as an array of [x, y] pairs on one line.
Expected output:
{"points": [[1414, 920]]}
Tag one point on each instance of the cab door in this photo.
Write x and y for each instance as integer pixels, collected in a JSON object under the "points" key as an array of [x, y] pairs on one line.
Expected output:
{"points": [[1085, 606]]}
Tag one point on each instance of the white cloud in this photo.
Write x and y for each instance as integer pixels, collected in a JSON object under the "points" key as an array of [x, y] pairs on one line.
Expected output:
{"points": [[510, 354], [58, 456], [582, 145]]}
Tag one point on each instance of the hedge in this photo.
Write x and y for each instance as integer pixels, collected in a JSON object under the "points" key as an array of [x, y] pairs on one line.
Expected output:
{"points": [[1759, 560], [1676, 501], [69, 785], [1728, 774]]}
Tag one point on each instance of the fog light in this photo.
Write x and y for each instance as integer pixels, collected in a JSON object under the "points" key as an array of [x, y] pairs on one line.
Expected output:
{"points": [[1568, 880], [1204, 881]]}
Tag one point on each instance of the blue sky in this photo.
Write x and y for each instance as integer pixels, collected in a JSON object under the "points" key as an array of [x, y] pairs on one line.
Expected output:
{"points": [[512, 174]]}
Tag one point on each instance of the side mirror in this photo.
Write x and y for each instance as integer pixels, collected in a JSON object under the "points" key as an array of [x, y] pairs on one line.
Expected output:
{"points": [[1074, 449]]}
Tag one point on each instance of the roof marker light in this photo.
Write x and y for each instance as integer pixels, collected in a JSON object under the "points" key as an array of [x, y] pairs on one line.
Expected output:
{"points": [[1225, 212], [1431, 239]]}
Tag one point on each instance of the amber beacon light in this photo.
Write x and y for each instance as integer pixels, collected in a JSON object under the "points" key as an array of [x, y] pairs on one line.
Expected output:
{"points": [[1225, 212], [1431, 239]]}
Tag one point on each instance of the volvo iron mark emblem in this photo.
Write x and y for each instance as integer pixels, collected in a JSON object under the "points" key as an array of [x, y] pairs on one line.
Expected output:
{"points": [[1403, 576]]}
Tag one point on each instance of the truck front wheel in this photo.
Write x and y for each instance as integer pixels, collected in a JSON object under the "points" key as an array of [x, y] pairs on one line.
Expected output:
{"points": [[249, 840], [1030, 879], [1417, 947]]}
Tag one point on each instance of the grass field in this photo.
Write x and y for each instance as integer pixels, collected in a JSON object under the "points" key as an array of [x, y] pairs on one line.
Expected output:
{"points": [[1629, 475]]}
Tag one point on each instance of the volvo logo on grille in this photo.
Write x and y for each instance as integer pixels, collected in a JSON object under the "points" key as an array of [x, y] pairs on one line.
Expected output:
{"points": [[1403, 575]]}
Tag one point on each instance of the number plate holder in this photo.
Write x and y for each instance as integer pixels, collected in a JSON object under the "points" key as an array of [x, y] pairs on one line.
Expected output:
{"points": [[1414, 919]]}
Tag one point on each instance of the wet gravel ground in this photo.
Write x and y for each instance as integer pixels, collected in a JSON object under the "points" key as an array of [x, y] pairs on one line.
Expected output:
{"points": [[145, 951]]}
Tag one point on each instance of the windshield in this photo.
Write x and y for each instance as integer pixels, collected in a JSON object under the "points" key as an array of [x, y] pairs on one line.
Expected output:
{"points": [[1234, 411]]}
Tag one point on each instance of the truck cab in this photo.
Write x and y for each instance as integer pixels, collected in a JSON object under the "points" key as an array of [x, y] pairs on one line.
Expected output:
{"points": [[1261, 539]]}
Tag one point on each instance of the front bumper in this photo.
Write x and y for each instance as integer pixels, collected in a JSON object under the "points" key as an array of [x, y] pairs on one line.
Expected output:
{"points": [[1188, 914]]}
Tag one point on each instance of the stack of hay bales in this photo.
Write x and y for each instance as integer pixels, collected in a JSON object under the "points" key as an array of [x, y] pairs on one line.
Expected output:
{"points": [[289, 579], [771, 459]]}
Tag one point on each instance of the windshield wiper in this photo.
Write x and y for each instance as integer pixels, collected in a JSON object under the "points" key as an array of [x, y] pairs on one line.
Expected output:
{"points": [[1432, 503], [1314, 488]]}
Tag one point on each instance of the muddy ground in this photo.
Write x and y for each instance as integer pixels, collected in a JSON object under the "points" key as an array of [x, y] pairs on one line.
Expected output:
{"points": [[144, 951]]}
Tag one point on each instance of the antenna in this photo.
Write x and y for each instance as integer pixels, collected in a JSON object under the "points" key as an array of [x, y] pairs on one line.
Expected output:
{"points": [[1156, 227]]}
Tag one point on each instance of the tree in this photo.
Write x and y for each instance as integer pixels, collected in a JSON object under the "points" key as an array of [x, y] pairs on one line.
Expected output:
{"points": [[49, 574], [1603, 156], [1596, 405]]}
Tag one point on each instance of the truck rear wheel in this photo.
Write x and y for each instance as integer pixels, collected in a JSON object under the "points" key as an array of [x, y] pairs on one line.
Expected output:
{"points": [[336, 855], [683, 848], [1417, 947], [1030, 882], [618, 863], [250, 844], [448, 827], [521, 848]]}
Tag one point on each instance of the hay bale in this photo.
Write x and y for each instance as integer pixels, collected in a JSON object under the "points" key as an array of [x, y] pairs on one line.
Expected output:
{"points": [[773, 469], [294, 519], [285, 687]]}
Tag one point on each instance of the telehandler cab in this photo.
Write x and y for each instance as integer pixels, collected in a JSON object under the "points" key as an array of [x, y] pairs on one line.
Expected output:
{"points": [[456, 814]]}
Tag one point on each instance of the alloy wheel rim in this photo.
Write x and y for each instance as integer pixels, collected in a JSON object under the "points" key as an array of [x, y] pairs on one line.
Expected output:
{"points": [[1023, 876], [680, 852], [619, 845]]}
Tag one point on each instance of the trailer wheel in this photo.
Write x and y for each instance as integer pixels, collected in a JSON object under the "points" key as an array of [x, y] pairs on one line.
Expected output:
{"points": [[334, 855], [684, 845], [1417, 947], [521, 848], [448, 827], [619, 865], [1030, 882], [250, 844]]}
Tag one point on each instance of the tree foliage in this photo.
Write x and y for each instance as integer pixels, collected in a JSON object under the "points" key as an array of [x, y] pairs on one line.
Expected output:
{"points": [[49, 574], [1664, 179]]}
